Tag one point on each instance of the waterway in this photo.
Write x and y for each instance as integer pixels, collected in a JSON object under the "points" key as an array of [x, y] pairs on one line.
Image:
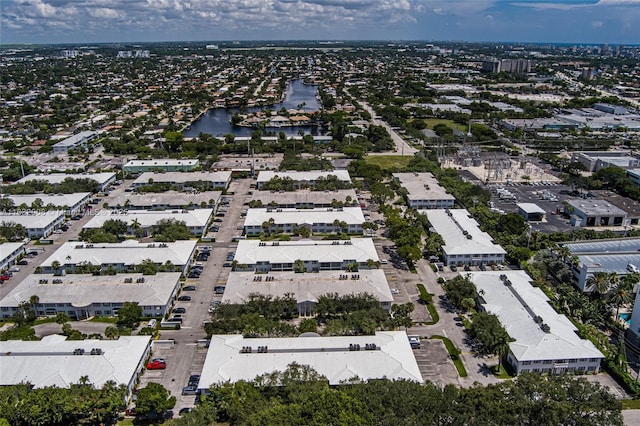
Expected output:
{"points": [[216, 121]]}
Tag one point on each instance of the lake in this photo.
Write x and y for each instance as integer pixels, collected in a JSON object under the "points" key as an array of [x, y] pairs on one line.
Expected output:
{"points": [[216, 121]]}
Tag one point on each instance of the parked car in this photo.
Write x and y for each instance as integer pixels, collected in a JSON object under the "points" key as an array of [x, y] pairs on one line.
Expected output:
{"points": [[14, 269], [156, 365], [189, 390], [219, 289], [184, 410], [184, 298], [5, 277], [23, 262], [131, 412], [454, 268], [414, 341], [180, 310], [189, 288]]}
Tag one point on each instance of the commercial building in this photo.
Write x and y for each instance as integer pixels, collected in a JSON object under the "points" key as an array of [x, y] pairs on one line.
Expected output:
{"points": [[121, 257], [323, 221], [519, 66], [37, 224], [76, 141], [104, 179], [82, 296], [182, 181], [596, 160], [306, 288], [162, 164], [464, 242], [531, 212], [306, 199], [387, 354], [9, 253], [141, 222], [543, 340], [302, 179], [72, 204], [56, 361], [424, 191], [618, 255], [165, 200], [315, 255], [594, 213]]}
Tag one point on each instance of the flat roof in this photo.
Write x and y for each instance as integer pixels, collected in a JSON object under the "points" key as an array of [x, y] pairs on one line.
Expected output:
{"points": [[57, 200], [77, 138], [617, 245], [160, 162], [33, 220], [306, 287], [251, 252], [304, 196], [148, 218], [451, 225], [423, 186], [613, 262], [594, 206], [267, 175], [182, 177], [128, 252], [56, 178], [50, 361], [169, 198], [84, 289], [530, 208], [350, 215], [330, 356], [517, 305]]}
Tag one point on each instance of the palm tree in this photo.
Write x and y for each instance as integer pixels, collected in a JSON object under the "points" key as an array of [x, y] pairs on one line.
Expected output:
{"points": [[599, 283], [620, 295]]}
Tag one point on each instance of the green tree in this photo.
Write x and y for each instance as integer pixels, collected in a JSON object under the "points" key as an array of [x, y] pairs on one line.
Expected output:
{"points": [[154, 399], [458, 289], [489, 333], [129, 314]]}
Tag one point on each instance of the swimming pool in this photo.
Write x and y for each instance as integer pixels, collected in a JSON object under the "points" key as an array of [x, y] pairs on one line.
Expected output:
{"points": [[626, 317]]}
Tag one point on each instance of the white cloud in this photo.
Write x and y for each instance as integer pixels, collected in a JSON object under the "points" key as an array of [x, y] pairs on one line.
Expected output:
{"points": [[597, 24]]}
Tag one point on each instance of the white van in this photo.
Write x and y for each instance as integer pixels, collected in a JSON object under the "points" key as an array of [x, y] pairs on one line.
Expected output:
{"points": [[152, 323]]}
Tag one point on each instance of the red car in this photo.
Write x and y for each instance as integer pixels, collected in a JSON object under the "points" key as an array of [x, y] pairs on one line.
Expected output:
{"points": [[156, 364], [5, 277]]}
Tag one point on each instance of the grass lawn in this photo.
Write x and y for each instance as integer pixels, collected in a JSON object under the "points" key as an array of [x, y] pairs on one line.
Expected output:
{"points": [[502, 374], [110, 320], [389, 161], [630, 404], [457, 362], [430, 122]]}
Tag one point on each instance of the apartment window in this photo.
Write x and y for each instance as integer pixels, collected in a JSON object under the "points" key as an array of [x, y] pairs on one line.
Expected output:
{"points": [[98, 312], [547, 361], [526, 362]]}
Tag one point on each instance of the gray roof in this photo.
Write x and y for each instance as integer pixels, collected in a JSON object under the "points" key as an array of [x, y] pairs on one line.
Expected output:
{"points": [[148, 218], [596, 207], [350, 215], [55, 178], [619, 245], [50, 361], [77, 138], [517, 305], [35, 220], [182, 177], [330, 356], [304, 197], [85, 289], [57, 200], [169, 198], [313, 175], [162, 162], [530, 208], [423, 186], [306, 287]]}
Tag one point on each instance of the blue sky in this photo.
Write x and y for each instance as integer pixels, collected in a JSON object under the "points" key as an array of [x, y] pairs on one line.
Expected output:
{"points": [[92, 21]]}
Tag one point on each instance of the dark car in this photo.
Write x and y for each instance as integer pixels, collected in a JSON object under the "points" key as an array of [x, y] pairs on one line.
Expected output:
{"points": [[184, 298], [179, 311], [23, 262], [194, 274], [189, 390], [219, 289], [454, 268], [189, 288], [194, 378], [184, 410]]}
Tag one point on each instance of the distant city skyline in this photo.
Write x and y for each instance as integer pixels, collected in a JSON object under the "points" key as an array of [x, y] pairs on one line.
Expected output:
{"points": [[95, 21]]}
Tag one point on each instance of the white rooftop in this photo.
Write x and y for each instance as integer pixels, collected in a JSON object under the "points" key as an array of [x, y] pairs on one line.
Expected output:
{"points": [[530, 208], [162, 162], [329, 356], [452, 223], [128, 252], [34, 220], [423, 186], [55, 178], [148, 218], [182, 177], [304, 196], [517, 305], [6, 249], [250, 252], [57, 200], [72, 140], [350, 215], [85, 289], [50, 361], [306, 287], [169, 198], [313, 175]]}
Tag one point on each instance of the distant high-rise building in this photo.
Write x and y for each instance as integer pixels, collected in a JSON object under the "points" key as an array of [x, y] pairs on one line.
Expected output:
{"points": [[587, 73], [516, 66]]}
